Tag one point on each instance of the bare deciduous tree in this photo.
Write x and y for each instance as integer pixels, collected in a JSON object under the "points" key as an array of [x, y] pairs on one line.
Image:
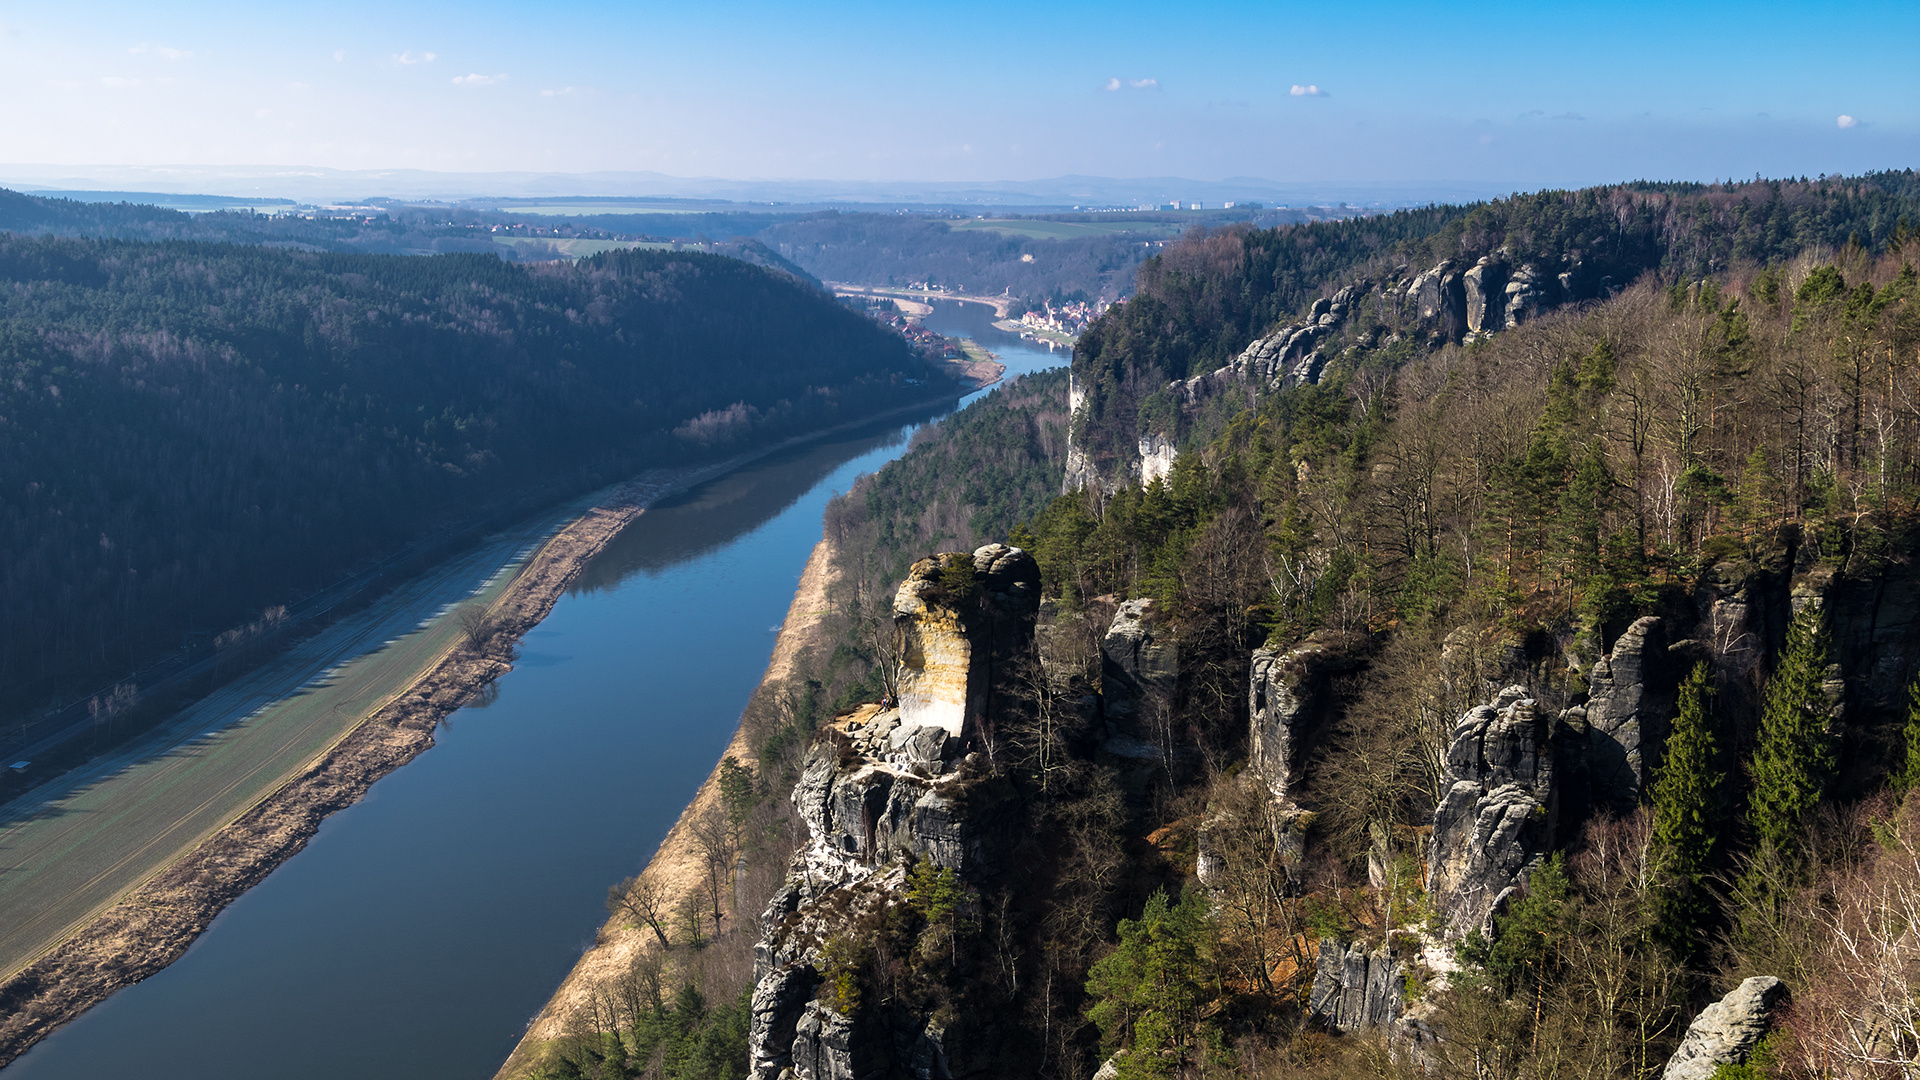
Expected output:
{"points": [[717, 839], [1860, 1017], [644, 901], [477, 625]]}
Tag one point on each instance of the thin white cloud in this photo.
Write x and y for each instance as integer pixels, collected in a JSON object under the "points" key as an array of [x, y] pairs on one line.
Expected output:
{"points": [[1846, 121], [117, 81], [339, 55], [560, 92], [411, 57], [263, 112], [1309, 90], [1112, 85], [1145, 84], [477, 79]]}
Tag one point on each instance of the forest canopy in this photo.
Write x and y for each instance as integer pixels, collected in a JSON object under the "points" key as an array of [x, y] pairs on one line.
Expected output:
{"points": [[191, 433]]}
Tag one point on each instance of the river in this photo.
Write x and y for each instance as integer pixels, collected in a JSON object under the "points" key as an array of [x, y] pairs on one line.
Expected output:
{"points": [[422, 928]]}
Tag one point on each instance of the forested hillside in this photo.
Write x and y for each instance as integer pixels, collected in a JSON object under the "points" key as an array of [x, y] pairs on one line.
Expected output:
{"points": [[1199, 305], [190, 434], [1473, 710], [1680, 524]]}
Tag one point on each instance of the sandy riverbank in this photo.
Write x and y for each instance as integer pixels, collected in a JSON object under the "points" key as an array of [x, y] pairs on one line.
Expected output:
{"points": [[677, 865]]}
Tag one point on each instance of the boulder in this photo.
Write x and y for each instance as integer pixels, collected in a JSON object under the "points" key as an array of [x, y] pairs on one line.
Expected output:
{"points": [[1497, 818], [1726, 1031]]}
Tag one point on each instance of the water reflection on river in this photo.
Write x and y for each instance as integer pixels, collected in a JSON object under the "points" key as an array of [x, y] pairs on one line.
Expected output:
{"points": [[422, 928]]}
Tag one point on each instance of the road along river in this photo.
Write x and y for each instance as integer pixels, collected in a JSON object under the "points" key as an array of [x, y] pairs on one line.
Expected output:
{"points": [[421, 928]]}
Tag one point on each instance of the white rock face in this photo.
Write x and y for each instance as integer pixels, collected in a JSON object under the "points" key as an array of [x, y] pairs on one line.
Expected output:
{"points": [[937, 652], [1156, 459], [959, 615]]}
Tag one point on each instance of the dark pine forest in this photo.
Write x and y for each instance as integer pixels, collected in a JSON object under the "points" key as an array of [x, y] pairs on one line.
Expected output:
{"points": [[191, 434]]}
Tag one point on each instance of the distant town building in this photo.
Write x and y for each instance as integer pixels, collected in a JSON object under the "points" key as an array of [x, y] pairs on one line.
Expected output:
{"points": [[1068, 318]]}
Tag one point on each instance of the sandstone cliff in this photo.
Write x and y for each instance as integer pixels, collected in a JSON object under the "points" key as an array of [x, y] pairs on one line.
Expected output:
{"points": [[892, 797]]}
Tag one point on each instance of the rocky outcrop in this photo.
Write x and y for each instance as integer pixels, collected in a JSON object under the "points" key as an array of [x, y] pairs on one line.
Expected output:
{"points": [[1497, 818], [1438, 305], [1156, 459], [1081, 472], [1626, 717], [868, 821], [1138, 662], [1436, 301], [883, 806], [1526, 295], [1486, 284], [1876, 635], [1288, 356], [1726, 1031], [1354, 989], [884, 788], [1286, 700], [829, 1045], [961, 618]]}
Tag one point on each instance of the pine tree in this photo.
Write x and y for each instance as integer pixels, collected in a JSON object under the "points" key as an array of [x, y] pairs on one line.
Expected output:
{"points": [[1906, 768], [1686, 819], [1597, 371], [1797, 753], [1583, 510]]}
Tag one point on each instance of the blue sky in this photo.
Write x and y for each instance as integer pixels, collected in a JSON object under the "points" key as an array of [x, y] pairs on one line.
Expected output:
{"points": [[1532, 94]]}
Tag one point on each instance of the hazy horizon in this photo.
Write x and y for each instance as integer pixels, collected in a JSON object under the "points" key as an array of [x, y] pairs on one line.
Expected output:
{"points": [[323, 184], [1412, 95]]}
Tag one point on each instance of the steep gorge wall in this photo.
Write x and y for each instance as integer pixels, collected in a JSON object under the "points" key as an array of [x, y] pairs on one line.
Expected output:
{"points": [[889, 789]]}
